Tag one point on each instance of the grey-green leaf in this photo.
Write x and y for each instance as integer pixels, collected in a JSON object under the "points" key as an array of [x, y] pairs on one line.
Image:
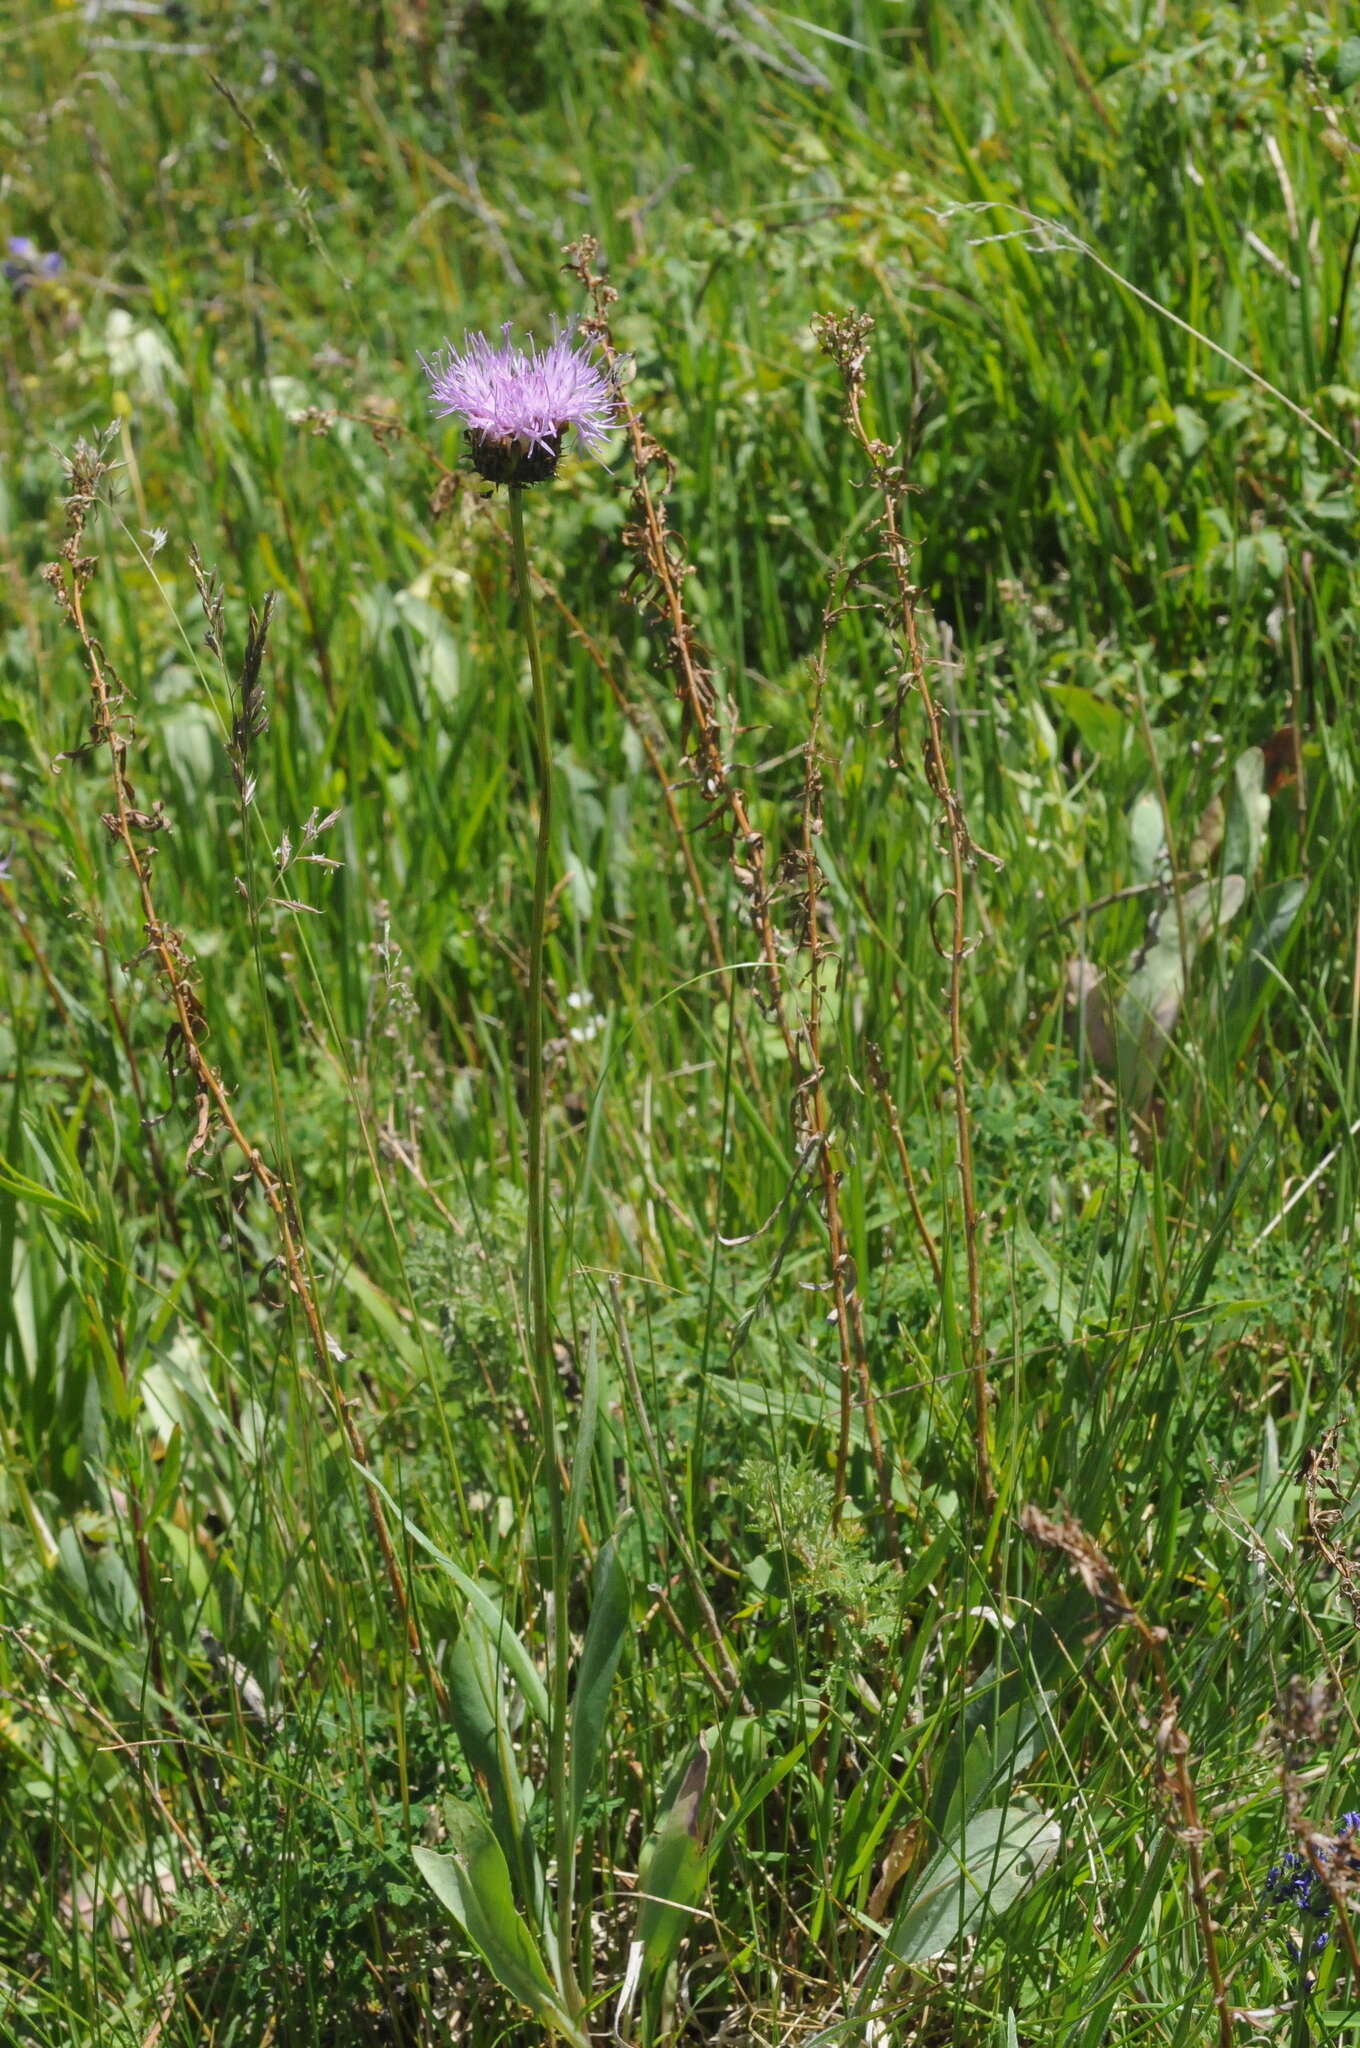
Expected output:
{"points": [[1001, 1853], [1151, 1001], [1146, 1018], [1147, 837], [1248, 815]]}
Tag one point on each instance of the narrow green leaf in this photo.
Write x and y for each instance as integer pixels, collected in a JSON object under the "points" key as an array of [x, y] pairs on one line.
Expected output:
{"points": [[20, 1188], [167, 1479], [586, 1425]]}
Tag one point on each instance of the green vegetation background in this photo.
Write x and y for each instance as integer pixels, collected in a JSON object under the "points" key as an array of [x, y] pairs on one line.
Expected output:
{"points": [[1106, 246]]}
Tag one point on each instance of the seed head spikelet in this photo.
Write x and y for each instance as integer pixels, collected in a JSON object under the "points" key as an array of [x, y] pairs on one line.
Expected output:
{"points": [[519, 403]]}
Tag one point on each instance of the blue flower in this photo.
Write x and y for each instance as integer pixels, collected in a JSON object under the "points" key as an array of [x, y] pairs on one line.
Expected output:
{"points": [[1295, 1885], [29, 265]]}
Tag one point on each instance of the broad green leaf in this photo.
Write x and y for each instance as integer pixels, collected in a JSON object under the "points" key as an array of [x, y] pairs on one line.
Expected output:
{"points": [[1192, 429], [472, 1883], [606, 1632], [1102, 727], [1208, 906], [1002, 1746], [673, 1870], [1001, 1853], [1346, 68]]}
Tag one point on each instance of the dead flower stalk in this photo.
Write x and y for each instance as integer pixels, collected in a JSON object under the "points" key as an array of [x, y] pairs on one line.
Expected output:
{"points": [[658, 588], [845, 341], [131, 827]]}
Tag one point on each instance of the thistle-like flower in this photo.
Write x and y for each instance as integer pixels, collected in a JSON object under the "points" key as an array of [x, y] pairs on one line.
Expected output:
{"points": [[519, 403]]}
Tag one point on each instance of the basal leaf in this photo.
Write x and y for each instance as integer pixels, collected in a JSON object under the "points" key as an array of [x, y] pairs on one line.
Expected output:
{"points": [[472, 1883]]}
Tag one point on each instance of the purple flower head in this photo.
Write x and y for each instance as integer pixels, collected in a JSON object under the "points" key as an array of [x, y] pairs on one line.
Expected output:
{"points": [[28, 264], [520, 402]]}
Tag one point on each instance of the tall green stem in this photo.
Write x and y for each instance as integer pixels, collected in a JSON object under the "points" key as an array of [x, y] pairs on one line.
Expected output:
{"points": [[540, 1324]]}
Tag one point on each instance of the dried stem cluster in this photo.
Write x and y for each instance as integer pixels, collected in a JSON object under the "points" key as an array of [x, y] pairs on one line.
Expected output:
{"points": [[132, 828], [657, 587], [846, 341]]}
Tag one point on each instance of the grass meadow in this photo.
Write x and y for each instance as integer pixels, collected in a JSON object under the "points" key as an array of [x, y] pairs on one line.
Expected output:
{"points": [[912, 1597]]}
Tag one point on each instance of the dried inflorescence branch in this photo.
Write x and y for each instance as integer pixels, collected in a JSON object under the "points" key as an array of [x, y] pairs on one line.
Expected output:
{"points": [[1171, 1743], [845, 339], [249, 711], [112, 730], [1329, 1505], [657, 587]]}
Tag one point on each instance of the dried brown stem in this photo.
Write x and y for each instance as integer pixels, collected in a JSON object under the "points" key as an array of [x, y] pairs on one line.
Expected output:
{"points": [[68, 578], [658, 582], [846, 342]]}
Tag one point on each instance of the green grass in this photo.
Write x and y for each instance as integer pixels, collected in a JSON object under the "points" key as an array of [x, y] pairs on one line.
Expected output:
{"points": [[1104, 247]]}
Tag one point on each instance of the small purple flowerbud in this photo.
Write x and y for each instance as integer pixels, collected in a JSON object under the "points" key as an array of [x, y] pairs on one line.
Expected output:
{"points": [[519, 404], [29, 265]]}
